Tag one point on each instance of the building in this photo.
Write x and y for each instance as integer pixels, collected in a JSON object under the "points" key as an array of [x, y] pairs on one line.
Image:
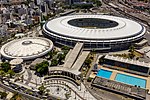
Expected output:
{"points": [[0, 19], [16, 65], [37, 2], [98, 32], [49, 3], [26, 48], [72, 1]]}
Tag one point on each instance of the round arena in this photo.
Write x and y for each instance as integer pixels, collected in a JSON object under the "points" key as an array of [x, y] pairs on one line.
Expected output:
{"points": [[99, 32], [26, 48]]}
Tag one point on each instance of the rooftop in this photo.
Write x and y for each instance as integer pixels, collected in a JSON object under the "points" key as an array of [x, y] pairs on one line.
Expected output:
{"points": [[26, 48], [129, 61]]}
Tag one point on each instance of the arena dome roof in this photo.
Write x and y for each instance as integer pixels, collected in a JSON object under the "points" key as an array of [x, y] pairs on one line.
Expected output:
{"points": [[95, 31], [125, 29], [26, 48]]}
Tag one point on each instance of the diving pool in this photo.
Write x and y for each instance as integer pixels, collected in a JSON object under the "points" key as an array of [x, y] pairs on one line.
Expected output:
{"points": [[104, 73], [131, 80]]}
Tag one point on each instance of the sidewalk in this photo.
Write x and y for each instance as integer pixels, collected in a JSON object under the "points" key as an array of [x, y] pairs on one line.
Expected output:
{"points": [[76, 91]]}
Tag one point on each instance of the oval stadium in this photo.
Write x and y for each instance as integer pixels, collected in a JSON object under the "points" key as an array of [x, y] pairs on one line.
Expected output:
{"points": [[99, 32]]}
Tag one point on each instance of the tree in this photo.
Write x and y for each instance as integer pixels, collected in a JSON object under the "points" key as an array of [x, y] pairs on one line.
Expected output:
{"points": [[101, 61], [50, 54], [16, 96], [131, 50], [98, 3], [11, 73], [3, 95], [42, 68], [89, 79], [41, 89], [87, 62], [54, 62], [5, 66], [65, 48], [2, 73], [60, 58]]}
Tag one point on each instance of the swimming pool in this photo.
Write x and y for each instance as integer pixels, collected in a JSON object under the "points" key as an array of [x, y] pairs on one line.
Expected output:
{"points": [[104, 73], [131, 80]]}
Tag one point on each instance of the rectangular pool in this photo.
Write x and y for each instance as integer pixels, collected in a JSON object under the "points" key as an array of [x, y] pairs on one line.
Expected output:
{"points": [[131, 80], [104, 73]]}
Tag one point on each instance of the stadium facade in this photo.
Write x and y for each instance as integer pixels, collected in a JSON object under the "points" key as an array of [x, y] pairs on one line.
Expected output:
{"points": [[99, 32]]}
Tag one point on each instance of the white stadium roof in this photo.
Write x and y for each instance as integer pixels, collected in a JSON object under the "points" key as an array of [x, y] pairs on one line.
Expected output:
{"points": [[26, 48], [125, 29]]}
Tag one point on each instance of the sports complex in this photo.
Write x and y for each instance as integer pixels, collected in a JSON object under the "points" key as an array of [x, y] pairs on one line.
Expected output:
{"points": [[99, 32]]}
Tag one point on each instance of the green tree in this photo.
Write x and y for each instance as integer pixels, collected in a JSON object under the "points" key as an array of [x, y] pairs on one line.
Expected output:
{"points": [[51, 54], [41, 89], [98, 3], [65, 48], [87, 62], [131, 50], [42, 68], [5, 66], [89, 79], [54, 62], [60, 58], [2, 73], [3, 95], [11, 73], [101, 61]]}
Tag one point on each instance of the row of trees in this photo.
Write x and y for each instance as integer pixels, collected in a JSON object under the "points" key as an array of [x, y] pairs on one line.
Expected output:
{"points": [[6, 70], [42, 68], [58, 57], [55, 57], [3, 95]]}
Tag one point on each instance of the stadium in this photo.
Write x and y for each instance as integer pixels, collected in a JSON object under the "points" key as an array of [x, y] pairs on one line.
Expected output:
{"points": [[26, 48], [99, 32]]}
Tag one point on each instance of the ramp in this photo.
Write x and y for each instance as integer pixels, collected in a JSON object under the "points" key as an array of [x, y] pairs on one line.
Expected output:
{"points": [[73, 55]]}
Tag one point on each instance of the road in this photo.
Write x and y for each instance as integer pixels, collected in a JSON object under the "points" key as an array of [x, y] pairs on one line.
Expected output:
{"points": [[128, 12], [29, 76], [15, 91]]}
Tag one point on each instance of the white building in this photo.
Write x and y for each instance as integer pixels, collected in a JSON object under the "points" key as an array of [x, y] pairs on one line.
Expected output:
{"points": [[26, 48], [100, 32]]}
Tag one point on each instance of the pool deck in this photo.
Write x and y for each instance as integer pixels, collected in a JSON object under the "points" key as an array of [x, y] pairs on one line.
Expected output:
{"points": [[114, 73], [148, 84]]}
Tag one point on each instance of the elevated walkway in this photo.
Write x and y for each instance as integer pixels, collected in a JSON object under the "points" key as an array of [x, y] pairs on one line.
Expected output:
{"points": [[73, 55], [73, 62], [68, 54], [79, 62]]}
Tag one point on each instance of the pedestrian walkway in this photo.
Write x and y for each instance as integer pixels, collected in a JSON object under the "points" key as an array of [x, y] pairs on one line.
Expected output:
{"points": [[113, 75], [79, 62], [76, 93], [73, 55]]}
